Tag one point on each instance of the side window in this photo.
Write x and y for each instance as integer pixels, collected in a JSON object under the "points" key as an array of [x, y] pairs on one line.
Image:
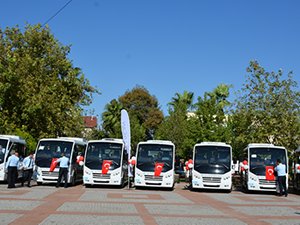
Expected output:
{"points": [[22, 151], [78, 151], [75, 153], [81, 150], [17, 147], [12, 148], [125, 157]]}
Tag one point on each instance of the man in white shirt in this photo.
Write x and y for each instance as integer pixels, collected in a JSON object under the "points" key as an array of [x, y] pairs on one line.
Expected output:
{"points": [[28, 164], [281, 177], [63, 170], [11, 166]]}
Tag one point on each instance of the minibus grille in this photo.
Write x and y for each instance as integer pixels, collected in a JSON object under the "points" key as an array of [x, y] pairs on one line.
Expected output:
{"points": [[267, 182], [211, 179], [49, 174], [153, 178], [101, 176]]}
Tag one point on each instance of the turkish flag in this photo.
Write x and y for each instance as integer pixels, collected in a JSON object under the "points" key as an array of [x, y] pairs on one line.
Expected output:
{"points": [[158, 168], [270, 173], [53, 164], [105, 166]]}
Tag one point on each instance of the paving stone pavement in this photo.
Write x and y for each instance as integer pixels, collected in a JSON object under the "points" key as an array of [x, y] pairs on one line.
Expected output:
{"points": [[78, 205]]}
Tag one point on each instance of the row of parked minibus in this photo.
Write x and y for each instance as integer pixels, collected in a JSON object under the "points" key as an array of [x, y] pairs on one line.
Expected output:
{"points": [[105, 162]]}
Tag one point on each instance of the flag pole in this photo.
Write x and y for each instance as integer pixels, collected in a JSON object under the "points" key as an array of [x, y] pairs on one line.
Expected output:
{"points": [[125, 128], [128, 167]]}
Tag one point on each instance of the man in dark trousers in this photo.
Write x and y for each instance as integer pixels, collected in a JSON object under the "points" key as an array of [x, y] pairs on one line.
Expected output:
{"points": [[11, 166], [27, 169], [63, 170], [281, 176]]}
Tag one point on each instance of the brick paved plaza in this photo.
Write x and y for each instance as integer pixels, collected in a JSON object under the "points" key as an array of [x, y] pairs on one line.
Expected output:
{"points": [[79, 205]]}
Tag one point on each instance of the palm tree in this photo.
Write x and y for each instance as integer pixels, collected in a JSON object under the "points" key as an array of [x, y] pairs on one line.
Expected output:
{"points": [[112, 118], [185, 99]]}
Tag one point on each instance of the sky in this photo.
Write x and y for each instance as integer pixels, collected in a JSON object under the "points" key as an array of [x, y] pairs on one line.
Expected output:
{"points": [[167, 46]]}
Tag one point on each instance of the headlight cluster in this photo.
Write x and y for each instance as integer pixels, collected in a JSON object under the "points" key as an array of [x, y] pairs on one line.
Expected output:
{"points": [[168, 175], [116, 174], [253, 178], [197, 176], [226, 178], [139, 174], [87, 172]]}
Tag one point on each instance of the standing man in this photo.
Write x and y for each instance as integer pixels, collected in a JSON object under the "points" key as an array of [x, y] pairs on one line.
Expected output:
{"points": [[28, 169], [63, 170], [11, 166], [281, 177]]}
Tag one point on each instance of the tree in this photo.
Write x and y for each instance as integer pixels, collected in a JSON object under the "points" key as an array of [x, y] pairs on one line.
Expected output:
{"points": [[207, 123], [174, 128], [144, 107], [144, 115], [180, 128], [138, 132], [268, 109], [40, 89], [112, 119], [211, 111], [184, 100]]}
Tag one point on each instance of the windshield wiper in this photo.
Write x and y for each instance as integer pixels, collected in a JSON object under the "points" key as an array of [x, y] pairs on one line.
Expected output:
{"points": [[167, 165], [256, 167], [224, 165]]}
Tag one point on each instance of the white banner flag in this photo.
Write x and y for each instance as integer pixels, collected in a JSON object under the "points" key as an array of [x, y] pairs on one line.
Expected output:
{"points": [[125, 127]]}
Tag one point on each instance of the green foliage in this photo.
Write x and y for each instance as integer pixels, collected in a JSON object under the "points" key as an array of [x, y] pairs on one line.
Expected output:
{"points": [[207, 123], [182, 100], [174, 129], [39, 87], [138, 132], [144, 107], [144, 115], [112, 119], [30, 141], [268, 109], [179, 128], [211, 113]]}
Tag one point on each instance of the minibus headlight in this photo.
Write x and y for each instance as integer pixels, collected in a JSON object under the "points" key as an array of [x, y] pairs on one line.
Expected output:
{"points": [[226, 178], [139, 174], [87, 172]]}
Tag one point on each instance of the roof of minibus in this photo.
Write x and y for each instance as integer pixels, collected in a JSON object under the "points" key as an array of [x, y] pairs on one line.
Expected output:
{"points": [[68, 139], [160, 142], [261, 145], [107, 140], [13, 138], [212, 144]]}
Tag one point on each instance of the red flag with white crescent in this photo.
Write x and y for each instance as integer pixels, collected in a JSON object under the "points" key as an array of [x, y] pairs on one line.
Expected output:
{"points": [[53, 164], [105, 166], [270, 173], [158, 168]]}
